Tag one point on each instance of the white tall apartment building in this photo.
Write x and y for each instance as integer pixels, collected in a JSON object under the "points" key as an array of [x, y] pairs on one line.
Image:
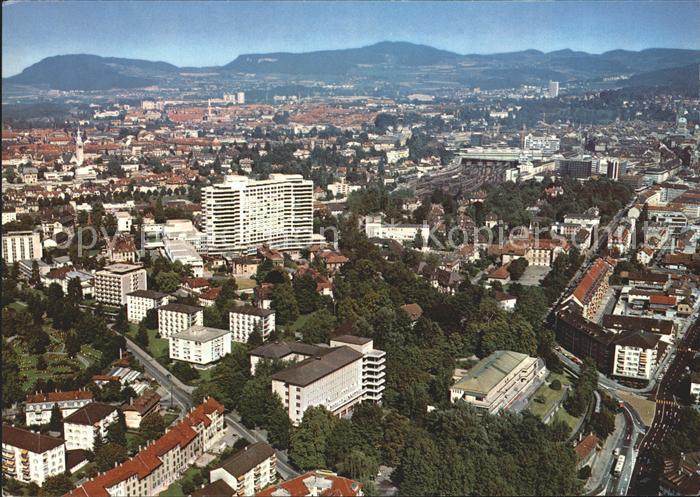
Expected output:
{"points": [[174, 318], [243, 321], [82, 427], [241, 213], [21, 245], [553, 89], [200, 345], [636, 355], [114, 282], [138, 303], [30, 457], [337, 377], [37, 407]]}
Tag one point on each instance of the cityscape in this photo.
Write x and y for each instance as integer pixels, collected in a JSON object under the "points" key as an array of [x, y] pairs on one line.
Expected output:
{"points": [[351, 248]]}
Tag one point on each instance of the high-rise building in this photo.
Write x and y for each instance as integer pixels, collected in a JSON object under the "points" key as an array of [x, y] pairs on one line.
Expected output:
{"points": [[114, 282], [553, 89], [241, 214]]}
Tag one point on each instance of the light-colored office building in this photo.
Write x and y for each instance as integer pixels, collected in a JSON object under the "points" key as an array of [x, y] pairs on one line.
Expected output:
{"points": [[244, 320], [375, 228], [114, 282], [37, 407], [138, 303], [200, 345], [174, 318], [241, 214], [246, 473], [186, 253], [496, 381], [82, 427], [30, 457], [373, 364], [20, 245]]}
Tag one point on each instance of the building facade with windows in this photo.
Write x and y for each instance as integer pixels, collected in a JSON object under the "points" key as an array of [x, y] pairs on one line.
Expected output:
{"points": [[246, 473], [244, 320], [115, 282], [174, 318], [242, 213], [31, 457], [82, 427], [138, 303], [21, 245], [200, 345], [38, 406]]}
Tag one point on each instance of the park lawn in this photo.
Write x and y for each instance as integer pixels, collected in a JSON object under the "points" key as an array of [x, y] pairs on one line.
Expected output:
{"points": [[175, 490], [300, 322], [550, 395], [156, 346], [562, 415], [169, 418], [245, 283]]}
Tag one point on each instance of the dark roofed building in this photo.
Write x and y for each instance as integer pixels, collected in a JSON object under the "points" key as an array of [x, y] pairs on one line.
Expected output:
{"points": [[246, 473], [284, 350], [317, 366], [637, 323]]}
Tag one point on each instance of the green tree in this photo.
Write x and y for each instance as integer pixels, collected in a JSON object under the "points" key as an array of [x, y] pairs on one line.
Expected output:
{"points": [[56, 422], [35, 278], [284, 303], [11, 384], [75, 291], [168, 282], [419, 470], [305, 293], [318, 327], [142, 334], [308, 442], [185, 372], [109, 454], [152, 427], [56, 486], [121, 323]]}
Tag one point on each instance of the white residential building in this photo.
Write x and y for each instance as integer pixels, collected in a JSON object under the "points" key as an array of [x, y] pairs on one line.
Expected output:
{"points": [[185, 253], [241, 214], [82, 427], [114, 282], [30, 457], [174, 318], [636, 355], [695, 386], [374, 228], [123, 220], [20, 245], [373, 364], [244, 320], [496, 381], [341, 189], [138, 303], [246, 473], [332, 379], [200, 345], [548, 145], [37, 407]]}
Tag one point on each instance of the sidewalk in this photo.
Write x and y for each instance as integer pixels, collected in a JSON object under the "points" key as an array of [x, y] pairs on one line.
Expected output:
{"points": [[600, 468]]}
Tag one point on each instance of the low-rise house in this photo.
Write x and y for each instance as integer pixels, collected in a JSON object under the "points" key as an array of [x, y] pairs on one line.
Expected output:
{"points": [[244, 267], [506, 301], [499, 275], [208, 297], [81, 428], [414, 311], [38, 407], [63, 276], [138, 409], [681, 475], [122, 248], [29, 457]]}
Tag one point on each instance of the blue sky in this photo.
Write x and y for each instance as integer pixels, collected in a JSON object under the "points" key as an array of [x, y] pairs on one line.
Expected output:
{"points": [[213, 33]]}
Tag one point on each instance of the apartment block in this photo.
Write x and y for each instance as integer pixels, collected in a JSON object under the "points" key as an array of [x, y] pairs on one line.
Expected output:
{"points": [[636, 355], [162, 462], [242, 213], [31, 457], [138, 303], [375, 228], [373, 364], [244, 320], [246, 473], [115, 282], [590, 292], [200, 345], [21, 245], [38, 406], [82, 427], [139, 408], [174, 318]]}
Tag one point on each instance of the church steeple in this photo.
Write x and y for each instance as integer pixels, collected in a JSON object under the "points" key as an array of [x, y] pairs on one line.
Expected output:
{"points": [[79, 157]]}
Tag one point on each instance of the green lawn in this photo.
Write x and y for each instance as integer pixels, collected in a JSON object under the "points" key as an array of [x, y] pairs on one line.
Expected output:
{"points": [[175, 490], [550, 395], [562, 415], [245, 283], [156, 346], [300, 322], [90, 353]]}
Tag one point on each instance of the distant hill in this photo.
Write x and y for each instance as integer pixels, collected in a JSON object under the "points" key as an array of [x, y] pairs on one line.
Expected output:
{"points": [[91, 72], [400, 62], [685, 79]]}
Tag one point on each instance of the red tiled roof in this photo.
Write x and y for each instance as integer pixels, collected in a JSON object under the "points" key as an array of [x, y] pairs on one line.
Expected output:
{"points": [[59, 396], [197, 282], [211, 294], [296, 487], [585, 289], [148, 459], [585, 446], [662, 300]]}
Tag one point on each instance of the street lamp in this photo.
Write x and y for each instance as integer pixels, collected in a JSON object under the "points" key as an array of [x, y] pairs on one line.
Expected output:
{"points": [[170, 380]]}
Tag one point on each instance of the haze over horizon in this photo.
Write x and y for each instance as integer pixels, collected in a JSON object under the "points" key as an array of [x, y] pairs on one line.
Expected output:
{"points": [[211, 34]]}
